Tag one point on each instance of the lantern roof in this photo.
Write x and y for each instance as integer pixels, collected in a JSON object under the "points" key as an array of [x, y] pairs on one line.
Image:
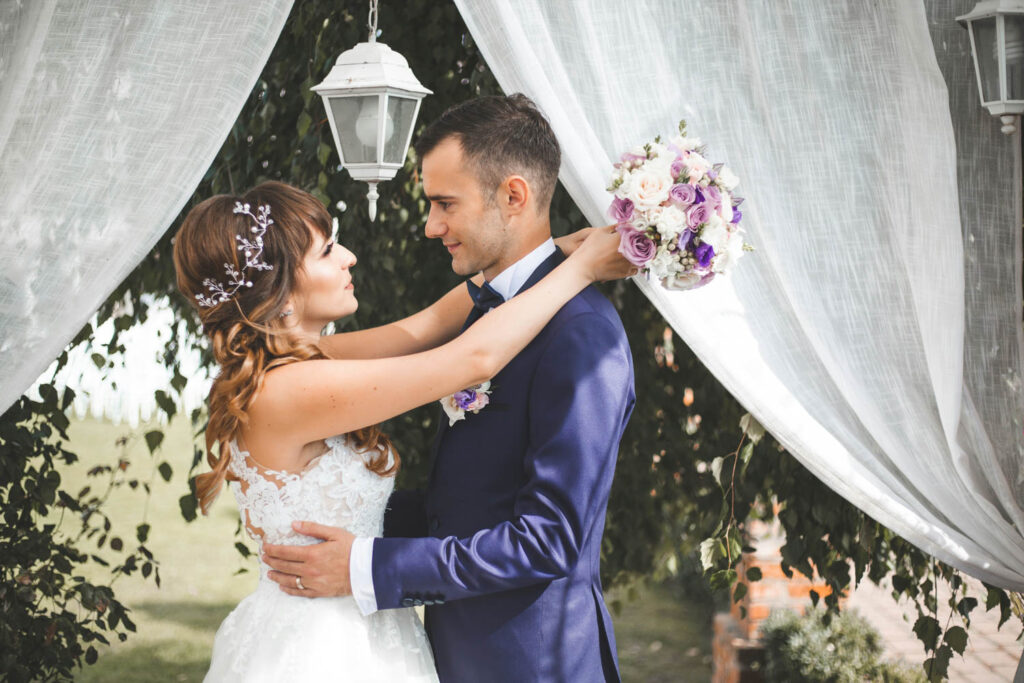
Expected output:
{"points": [[371, 66], [988, 8]]}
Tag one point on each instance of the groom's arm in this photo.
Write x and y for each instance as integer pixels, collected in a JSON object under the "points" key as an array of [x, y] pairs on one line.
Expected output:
{"points": [[580, 398], [435, 325]]}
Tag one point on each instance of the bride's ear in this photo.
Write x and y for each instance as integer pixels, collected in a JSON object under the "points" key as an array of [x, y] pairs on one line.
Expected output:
{"points": [[514, 195]]}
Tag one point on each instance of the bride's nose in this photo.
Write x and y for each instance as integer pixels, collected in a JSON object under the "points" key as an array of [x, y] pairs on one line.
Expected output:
{"points": [[348, 258]]}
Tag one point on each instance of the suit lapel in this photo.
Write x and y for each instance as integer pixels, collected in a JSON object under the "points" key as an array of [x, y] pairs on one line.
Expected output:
{"points": [[546, 266]]}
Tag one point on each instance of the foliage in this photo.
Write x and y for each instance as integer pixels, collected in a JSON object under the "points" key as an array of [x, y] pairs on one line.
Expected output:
{"points": [[681, 484], [51, 617], [819, 648]]}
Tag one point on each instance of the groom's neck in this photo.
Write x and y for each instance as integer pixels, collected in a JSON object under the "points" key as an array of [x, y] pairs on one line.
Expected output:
{"points": [[531, 237]]}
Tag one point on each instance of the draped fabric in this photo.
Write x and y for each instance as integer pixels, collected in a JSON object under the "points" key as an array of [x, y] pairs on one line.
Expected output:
{"points": [[110, 113], [876, 329]]}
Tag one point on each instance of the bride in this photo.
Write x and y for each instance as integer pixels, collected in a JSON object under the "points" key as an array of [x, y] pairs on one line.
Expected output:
{"points": [[293, 414]]}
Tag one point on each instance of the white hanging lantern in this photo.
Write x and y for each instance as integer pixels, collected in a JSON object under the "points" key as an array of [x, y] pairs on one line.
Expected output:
{"points": [[997, 44], [372, 100]]}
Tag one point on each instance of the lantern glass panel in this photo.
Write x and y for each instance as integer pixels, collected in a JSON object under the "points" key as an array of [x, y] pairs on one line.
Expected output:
{"points": [[356, 121], [1015, 56], [401, 111], [987, 54]]}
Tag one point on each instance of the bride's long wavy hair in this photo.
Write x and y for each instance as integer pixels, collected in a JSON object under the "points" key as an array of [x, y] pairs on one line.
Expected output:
{"points": [[246, 332]]}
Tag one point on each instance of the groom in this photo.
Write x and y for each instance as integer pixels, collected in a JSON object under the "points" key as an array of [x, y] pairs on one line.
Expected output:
{"points": [[504, 546]]}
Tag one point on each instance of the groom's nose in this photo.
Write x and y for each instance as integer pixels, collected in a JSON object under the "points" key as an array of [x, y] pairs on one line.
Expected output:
{"points": [[434, 227]]}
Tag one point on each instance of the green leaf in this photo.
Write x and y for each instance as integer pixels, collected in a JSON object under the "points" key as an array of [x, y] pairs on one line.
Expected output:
{"points": [[302, 126], [98, 360], [956, 637], [154, 438], [708, 555], [716, 469], [927, 630], [754, 574], [142, 532], [740, 591], [117, 544], [91, 655], [242, 549], [188, 504], [165, 471]]}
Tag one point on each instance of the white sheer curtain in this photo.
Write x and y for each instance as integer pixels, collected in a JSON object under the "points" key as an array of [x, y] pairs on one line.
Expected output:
{"points": [[876, 330], [110, 113]]}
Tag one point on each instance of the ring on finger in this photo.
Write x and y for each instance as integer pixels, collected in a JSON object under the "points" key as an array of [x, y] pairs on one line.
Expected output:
{"points": [[298, 583]]}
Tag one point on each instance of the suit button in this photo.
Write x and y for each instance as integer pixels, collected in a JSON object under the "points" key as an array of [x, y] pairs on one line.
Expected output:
{"points": [[407, 602], [435, 523], [417, 603]]}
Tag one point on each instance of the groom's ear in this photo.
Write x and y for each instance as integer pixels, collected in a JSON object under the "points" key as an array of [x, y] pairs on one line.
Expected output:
{"points": [[514, 195]]}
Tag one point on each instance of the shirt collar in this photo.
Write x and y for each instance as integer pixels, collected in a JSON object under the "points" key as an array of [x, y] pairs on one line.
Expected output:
{"points": [[508, 281]]}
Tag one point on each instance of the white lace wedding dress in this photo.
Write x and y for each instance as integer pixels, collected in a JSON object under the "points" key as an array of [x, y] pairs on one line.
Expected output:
{"points": [[273, 636]]}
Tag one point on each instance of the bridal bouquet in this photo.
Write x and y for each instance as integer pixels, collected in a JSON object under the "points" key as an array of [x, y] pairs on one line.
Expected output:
{"points": [[677, 218]]}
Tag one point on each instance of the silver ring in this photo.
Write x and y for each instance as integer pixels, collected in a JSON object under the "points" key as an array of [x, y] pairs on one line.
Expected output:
{"points": [[298, 584]]}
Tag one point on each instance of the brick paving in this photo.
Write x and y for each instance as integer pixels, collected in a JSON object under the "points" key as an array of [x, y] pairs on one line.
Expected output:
{"points": [[991, 656]]}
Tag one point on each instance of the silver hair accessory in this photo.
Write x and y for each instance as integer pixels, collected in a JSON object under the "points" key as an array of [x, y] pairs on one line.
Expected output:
{"points": [[253, 249]]}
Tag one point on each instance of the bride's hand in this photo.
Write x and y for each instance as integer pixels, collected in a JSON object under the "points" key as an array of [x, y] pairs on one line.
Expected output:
{"points": [[600, 258], [571, 242]]}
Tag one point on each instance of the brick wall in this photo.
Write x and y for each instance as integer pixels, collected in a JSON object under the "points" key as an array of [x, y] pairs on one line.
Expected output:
{"points": [[736, 650]]}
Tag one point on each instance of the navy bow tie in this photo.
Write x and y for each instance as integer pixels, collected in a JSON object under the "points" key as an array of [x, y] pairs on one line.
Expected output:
{"points": [[484, 298]]}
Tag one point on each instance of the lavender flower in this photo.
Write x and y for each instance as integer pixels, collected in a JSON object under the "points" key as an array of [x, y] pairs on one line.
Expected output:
{"points": [[637, 247]]}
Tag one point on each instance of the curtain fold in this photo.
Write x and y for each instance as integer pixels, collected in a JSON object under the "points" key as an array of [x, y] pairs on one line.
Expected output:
{"points": [[110, 113], [876, 329]]}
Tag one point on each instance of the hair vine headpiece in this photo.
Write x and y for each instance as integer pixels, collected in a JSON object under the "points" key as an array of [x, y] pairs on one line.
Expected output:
{"points": [[253, 258]]}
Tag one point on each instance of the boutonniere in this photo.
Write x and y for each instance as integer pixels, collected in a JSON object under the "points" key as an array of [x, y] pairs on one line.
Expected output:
{"points": [[468, 400]]}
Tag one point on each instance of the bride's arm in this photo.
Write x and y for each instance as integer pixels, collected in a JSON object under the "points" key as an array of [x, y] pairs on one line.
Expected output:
{"points": [[438, 323], [434, 325], [315, 399]]}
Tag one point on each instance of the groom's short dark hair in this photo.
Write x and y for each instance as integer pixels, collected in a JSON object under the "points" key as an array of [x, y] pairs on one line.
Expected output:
{"points": [[501, 136]]}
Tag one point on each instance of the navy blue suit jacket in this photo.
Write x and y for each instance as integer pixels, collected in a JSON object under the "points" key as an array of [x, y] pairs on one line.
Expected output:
{"points": [[514, 511]]}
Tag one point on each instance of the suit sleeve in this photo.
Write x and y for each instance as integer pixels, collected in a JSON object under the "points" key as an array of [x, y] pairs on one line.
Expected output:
{"points": [[580, 397]]}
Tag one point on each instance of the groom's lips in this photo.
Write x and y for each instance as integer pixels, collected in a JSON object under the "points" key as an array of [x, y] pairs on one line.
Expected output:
{"points": [[452, 247]]}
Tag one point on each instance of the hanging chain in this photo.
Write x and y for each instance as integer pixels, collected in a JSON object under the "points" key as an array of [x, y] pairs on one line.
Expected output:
{"points": [[372, 21]]}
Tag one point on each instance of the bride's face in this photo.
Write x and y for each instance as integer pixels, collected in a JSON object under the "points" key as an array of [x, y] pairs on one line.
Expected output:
{"points": [[323, 288]]}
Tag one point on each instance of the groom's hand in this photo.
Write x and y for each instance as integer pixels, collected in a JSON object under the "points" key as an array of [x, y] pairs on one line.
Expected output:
{"points": [[322, 569]]}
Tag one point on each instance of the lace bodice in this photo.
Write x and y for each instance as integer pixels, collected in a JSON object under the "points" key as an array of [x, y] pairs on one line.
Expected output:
{"points": [[335, 489]]}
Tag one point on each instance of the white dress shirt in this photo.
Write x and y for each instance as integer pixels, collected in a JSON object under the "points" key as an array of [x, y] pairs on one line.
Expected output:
{"points": [[360, 565]]}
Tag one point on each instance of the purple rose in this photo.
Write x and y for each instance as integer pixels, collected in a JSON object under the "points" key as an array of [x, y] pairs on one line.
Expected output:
{"points": [[713, 197], [684, 194], [676, 169], [736, 215], [686, 238], [697, 215], [637, 247], [621, 210], [704, 254]]}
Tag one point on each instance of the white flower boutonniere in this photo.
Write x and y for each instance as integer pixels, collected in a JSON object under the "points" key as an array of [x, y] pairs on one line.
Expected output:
{"points": [[468, 400]]}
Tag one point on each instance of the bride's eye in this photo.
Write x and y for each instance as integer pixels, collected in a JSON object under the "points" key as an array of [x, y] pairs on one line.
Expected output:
{"points": [[327, 250]]}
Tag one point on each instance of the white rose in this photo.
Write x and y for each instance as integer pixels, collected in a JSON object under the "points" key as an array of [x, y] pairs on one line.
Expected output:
{"points": [[725, 260], [696, 166], [663, 264], [716, 234], [725, 208], [727, 179], [670, 222], [648, 187]]}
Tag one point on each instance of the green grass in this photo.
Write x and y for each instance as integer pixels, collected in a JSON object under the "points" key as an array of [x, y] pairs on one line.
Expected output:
{"points": [[661, 637]]}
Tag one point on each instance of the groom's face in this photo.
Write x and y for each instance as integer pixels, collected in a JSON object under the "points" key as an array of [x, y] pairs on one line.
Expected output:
{"points": [[468, 223]]}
